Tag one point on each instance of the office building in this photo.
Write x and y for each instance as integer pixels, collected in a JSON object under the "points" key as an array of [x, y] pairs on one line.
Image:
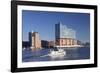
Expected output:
{"points": [[34, 40]]}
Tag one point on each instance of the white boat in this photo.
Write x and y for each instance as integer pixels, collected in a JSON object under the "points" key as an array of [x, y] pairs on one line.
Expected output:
{"points": [[57, 54], [24, 48]]}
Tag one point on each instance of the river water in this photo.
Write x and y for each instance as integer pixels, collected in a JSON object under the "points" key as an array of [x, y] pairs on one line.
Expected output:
{"points": [[42, 55]]}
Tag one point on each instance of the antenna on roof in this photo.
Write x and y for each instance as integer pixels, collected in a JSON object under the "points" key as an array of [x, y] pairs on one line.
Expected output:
{"points": [[30, 30], [60, 22]]}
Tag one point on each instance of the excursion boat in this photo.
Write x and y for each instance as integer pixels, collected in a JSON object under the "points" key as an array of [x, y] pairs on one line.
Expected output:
{"points": [[57, 54]]}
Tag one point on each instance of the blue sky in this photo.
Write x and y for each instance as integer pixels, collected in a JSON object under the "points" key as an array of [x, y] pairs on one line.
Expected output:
{"points": [[44, 22]]}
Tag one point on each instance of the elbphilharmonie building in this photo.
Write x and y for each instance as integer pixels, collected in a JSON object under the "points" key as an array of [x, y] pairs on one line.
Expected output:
{"points": [[64, 36], [62, 31]]}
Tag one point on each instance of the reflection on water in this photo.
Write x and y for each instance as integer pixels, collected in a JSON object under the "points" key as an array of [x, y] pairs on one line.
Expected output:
{"points": [[43, 54]]}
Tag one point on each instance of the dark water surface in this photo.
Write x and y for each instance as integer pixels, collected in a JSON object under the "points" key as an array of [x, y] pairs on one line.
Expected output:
{"points": [[42, 55]]}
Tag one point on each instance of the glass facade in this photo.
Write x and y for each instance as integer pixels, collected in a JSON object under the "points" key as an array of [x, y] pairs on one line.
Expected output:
{"points": [[62, 31]]}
